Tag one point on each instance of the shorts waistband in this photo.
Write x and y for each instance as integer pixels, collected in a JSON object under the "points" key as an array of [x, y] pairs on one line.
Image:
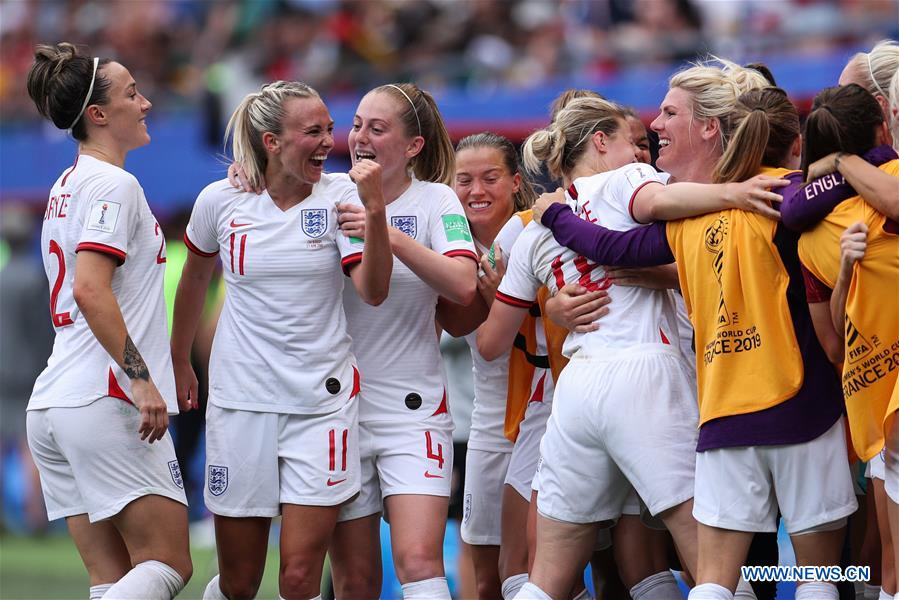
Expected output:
{"points": [[609, 354]]}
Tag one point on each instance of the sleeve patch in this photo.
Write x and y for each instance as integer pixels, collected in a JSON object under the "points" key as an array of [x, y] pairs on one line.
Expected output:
{"points": [[104, 216], [456, 228], [639, 175]]}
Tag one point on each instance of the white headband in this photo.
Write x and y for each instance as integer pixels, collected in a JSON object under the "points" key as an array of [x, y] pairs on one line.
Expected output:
{"points": [[874, 79], [90, 90], [410, 102]]}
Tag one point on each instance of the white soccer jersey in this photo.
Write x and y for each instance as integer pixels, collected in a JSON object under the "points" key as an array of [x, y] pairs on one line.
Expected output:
{"points": [[396, 343], [281, 344], [99, 207], [636, 315]]}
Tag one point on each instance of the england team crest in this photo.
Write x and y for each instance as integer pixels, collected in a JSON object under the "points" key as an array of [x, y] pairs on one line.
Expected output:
{"points": [[218, 480], [175, 470], [408, 225], [314, 221]]}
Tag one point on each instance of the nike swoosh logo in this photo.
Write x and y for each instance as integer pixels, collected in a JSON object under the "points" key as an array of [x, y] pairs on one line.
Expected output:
{"points": [[430, 475], [332, 483], [234, 223]]}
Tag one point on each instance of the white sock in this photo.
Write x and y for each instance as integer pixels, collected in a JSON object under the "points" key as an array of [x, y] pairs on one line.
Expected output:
{"points": [[817, 590], [97, 591], [512, 584], [584, 595], [529, 591], [149, 580], [710, 591], [434, 588], [659, 586], [214, 590], [744, 591], [882, 595]]}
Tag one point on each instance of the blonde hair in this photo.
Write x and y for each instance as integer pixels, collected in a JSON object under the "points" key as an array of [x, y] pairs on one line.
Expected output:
{"points": [[894, 106], [562, 143], [876, 68], [714, 87], [420, 116], [258, 113]]}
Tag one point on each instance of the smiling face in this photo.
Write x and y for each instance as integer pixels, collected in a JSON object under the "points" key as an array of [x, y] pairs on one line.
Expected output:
{"points": [[126, 111], [641, 140], [378, 134], [305, 140], [485, 187], [680, 134]]}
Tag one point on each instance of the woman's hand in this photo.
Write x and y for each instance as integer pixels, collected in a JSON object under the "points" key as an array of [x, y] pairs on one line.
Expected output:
{"points": [[576, 309], [754, 195], [186, 385], [823, 166], [545, 200], [366, 174], [654, 278], [237, 177], [154, 414], [351, 219], [491, 274], [853, 244]]}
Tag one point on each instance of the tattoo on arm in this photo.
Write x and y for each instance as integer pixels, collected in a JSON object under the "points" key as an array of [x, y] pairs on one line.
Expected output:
{"points": [[135, 367]]}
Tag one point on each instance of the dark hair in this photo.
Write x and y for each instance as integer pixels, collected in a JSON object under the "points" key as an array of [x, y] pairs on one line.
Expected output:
{"points": [[764, 70], [58, 82], [420, 116], [843, 119], [759, 131], [526, 195]]}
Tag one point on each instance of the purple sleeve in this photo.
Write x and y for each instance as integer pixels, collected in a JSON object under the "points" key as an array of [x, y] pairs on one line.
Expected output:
{"points": [[805, 206], [641, 247]]}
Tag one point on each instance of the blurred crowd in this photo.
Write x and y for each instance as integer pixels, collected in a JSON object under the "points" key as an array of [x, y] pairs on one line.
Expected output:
{"points": [[203, 52]]}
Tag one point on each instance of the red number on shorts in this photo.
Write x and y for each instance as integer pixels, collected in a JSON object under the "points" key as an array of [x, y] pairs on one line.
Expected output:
{"points": [[241, 252], [160, 259], [59, 319], [430, 448], [332, 449]]}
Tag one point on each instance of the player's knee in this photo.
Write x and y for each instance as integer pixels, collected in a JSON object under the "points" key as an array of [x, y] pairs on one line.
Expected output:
{"points": [[241, 586], [299, 578], [417, 563], [361, 584]]}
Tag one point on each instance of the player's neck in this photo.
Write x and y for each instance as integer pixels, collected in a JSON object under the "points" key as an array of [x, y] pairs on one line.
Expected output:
{"points": [[394, 187], [485, 233], [104, 152], [287, 192]]}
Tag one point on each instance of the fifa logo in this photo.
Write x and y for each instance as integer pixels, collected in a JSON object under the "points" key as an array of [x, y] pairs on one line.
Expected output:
{"points": [[714, 243], [103, 210]]}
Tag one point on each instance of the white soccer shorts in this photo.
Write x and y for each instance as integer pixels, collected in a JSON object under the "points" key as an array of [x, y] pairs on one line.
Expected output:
{"points": [[257, 461], [742, 488], [402, 458], [628, 419], [91, 459]]}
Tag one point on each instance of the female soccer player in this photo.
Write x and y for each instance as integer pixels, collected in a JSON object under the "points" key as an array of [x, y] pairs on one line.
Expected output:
{"points": [[107, 392], [589, 145], [405, 424], [282, 417], [783, 431], [846, 119], [490, 185]]}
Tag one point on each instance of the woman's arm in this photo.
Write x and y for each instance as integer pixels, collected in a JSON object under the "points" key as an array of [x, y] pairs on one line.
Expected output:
{"points": [[808, 204], [189, 302], [641, 247], [458, 320], [497, 333], [682, 200], [853, 244], [453, 277], [97, 302], [371, 277]]}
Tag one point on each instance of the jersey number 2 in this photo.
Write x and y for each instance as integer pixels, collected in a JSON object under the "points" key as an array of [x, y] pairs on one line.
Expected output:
{"points": [[59, 319]]}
